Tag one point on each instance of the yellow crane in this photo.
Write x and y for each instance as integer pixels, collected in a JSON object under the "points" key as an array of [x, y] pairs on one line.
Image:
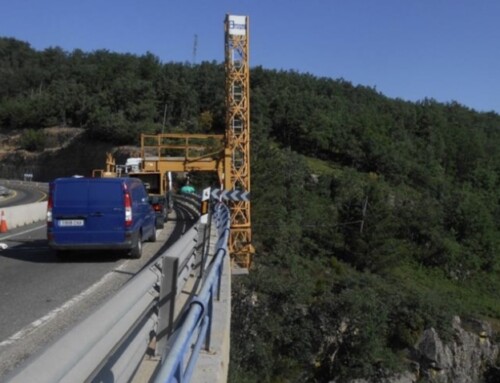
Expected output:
{"points": [[228, 155], [237, 150]]}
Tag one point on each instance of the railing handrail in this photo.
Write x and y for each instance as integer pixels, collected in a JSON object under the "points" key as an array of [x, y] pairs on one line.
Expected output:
{"points": [[199, 315]]}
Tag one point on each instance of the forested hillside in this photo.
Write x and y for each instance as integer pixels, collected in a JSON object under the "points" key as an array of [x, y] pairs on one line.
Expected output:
{"points": [[373, 218]]}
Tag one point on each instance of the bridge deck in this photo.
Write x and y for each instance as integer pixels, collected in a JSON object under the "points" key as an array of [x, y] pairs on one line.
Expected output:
{"points": [[212, 365]]}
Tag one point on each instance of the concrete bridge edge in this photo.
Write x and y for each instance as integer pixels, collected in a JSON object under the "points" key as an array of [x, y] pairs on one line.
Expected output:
{"points": [[213, 365]]}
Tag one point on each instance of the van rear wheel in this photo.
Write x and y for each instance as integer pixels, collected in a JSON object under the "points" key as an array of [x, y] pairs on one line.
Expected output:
{"points": [[153, 236], [136, 251]]}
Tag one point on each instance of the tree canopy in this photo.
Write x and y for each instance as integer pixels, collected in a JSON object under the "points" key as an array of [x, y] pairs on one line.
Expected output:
{"points": [[374, 218]]}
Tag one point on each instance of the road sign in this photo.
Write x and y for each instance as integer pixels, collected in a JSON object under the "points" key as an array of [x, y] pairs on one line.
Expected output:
{"points": [[232, 195], [205, 198]]}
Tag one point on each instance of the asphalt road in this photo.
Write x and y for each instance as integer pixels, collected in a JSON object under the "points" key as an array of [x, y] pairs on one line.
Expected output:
{"points": [[41, 297], [23, 193]]}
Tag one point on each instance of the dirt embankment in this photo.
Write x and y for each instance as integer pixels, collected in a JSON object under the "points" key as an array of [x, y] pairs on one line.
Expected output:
{"points": [[67, 151]]}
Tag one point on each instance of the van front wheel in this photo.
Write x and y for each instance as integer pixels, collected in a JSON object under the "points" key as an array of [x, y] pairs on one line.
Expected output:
{"points": [[136, 251]]}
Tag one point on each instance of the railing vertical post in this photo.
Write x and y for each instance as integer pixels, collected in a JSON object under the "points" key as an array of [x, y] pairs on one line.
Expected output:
{"points": [[219, 281], [209, 316], [168, 292]]}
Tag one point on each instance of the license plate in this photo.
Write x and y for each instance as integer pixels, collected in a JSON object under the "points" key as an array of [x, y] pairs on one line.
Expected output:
{"points": [[71, 222]]}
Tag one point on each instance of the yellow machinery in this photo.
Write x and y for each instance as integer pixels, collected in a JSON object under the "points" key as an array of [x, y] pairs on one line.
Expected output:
{"points": [[237, 151], [228, 155]]}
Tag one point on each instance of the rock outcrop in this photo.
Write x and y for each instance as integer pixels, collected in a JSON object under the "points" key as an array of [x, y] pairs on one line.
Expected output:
{"points": [[468, 357], [464, 359]]}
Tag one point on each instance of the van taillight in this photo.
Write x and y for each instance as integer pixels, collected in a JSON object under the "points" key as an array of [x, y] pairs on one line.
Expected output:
{"points": [[128, 207], [50, 205]]}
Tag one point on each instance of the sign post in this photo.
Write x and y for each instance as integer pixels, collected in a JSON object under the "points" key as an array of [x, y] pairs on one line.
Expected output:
{"points": [[204, 230], [205, 199]]}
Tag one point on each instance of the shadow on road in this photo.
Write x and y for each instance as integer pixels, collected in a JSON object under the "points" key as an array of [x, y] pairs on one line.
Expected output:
{"points": [[37, 251]]}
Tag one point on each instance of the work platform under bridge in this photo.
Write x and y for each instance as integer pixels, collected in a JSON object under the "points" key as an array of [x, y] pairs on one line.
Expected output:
{"points": [[186, 153], [177, 152]]}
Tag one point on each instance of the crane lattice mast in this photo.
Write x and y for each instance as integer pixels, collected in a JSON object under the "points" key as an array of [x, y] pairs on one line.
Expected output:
{"points": [[237, 151]]}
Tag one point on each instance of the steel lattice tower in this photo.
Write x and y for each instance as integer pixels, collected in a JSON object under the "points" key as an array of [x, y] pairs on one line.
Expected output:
{"points": [[237, 153]]}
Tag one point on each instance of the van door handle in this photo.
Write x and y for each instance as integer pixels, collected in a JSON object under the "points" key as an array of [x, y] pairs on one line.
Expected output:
{"points": [[96, 214]]}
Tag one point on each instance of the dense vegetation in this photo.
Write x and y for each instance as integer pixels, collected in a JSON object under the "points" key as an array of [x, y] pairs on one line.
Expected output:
{"points": [[374, 218]]}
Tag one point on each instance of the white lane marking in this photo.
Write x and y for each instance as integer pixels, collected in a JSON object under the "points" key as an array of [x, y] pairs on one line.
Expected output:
{"points": [[21, 232], [73, 301]]}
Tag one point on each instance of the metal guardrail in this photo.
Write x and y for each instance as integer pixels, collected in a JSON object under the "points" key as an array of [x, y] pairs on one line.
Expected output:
{"points": [[195, 330], [110, 344]]}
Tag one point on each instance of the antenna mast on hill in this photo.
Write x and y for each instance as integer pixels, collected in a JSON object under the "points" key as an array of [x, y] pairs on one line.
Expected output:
{"points": [[195, 48]]}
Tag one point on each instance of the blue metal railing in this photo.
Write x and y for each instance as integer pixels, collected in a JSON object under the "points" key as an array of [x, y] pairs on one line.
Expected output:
{"points": [[195, 332]]}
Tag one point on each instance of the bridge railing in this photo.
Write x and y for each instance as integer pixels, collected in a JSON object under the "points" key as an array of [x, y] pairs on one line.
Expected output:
{"points": [[185, 346], [111, 343]]}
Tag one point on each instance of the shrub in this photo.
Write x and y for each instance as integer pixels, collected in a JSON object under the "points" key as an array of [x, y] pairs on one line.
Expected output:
{"points": [[33, 140]]}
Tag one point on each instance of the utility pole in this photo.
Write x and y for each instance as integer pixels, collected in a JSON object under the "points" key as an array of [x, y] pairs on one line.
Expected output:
{"points": [[164, 118]]}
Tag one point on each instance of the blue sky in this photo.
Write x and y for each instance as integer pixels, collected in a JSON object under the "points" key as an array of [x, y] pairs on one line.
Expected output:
{"points": [[411, 49]]}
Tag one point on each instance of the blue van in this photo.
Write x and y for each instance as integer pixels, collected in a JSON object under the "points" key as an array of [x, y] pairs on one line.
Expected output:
{"points": [[99, 213]]}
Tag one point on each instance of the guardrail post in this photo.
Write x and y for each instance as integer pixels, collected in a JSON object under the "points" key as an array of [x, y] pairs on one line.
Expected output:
{"points": [[166, 312], [217, 286], [198, 250], [202, 247]]}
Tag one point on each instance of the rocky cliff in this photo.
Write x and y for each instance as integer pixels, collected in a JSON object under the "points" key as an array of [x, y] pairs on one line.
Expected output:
{"points": [[470, 356]]}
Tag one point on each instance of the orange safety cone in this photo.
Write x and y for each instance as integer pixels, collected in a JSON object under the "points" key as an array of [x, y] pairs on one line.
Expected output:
{"points": [[3, 224]]}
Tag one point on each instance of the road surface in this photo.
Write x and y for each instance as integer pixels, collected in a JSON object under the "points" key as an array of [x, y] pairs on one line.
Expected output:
{"points": [[41, 297]]}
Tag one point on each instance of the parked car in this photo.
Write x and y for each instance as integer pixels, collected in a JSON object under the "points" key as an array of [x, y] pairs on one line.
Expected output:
{"points": [[160, 207], [99, 214], [156, 186]]}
